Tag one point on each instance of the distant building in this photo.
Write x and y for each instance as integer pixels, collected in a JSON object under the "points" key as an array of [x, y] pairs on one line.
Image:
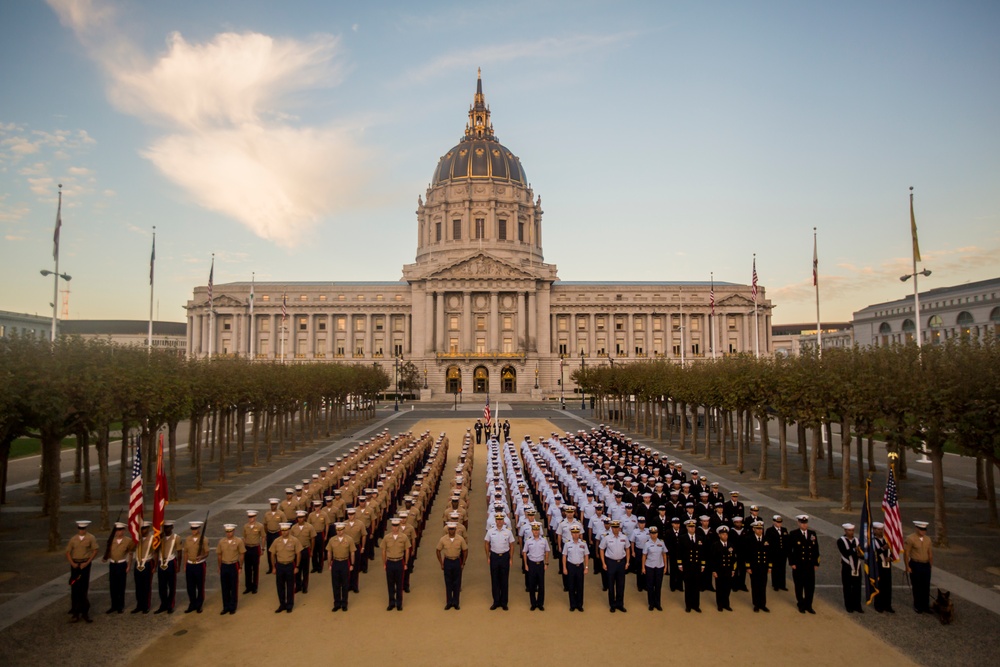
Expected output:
{"points": [[24, 325], [972, 309], [166, 335], [790, 340]]}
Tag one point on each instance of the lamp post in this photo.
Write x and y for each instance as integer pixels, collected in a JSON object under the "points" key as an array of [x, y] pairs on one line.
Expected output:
{"points": [[425, 375], [55, 299], [916, 295], [562, 383], [536, 375], [583, 367]]}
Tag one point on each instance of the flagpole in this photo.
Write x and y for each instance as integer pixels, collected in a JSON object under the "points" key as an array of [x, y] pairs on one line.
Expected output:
{"points": [[916, 256], [55, 277], [756, 319], [711, 319], [253, 328], [819, 328], [211, 309], [152, 259]]}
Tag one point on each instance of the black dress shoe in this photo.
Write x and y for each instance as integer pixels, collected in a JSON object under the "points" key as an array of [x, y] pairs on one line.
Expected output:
{"points": [[188, 610], [111, 611], [861, 611], [579, 608], [811, 610], [223, 612], [457, 607], [279, 609], [697, 610], [765, 609], [198, 610], [400, 608], [541, 608], [136, 611], [87, 618], [755, 609], [159, 611], [891, 610], [802, 611], [288, 610], [622, 609], [658, 608], [448, 606], [247, 591], [730, 608], [493, 607], [390, 607], [687, 611], [504, 607], [572, 609], [651, 608], [533, 607], [613, 610]]}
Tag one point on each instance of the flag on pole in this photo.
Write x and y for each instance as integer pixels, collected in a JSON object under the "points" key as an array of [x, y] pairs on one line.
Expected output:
{"points": [[487, 415], [159, 496], [284, 307], [55, 237], [152, 259], [135, 497], [913, 230], [211, 281], [815, 262], [871, 558], [711, 295], [893, 522], [753, 284], [252, 277]]}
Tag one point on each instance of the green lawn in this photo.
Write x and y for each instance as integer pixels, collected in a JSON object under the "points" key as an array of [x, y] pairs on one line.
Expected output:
{"points": [[32, 446]]}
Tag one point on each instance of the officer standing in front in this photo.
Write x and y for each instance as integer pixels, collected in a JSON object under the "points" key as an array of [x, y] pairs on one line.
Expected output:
{"points": [[576, 562], [341, 549], [395, 547], [757, 558], [615, 550], [195, 566], [166, 572], [535, 552], [452, 550], [724, 556], [918, 556], [690, 559], [231, 552], [119, 552], [80, 552], [499, 551], [803, 556], [777, 544]]}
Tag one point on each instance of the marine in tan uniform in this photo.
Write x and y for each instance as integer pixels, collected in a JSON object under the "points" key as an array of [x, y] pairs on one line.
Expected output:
{"points": [[145, 565], [254, 536], [80, 552], [285, 554], [231, 551], [452, 552], [303, 531], [918, 557], [273, 519], [356, 530], [341, 549], [168, 558], [118, 556], [318, 520], [195, 566], [395, 546]]}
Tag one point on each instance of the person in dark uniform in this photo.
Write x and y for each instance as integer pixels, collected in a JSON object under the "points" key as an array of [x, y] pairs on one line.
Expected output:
{"points": [[757, 561], [851, 562], [777, 541], [690, 561], [119, 552], [918, 557], [194, 563], [145, 563], [80, 552], [672, 538], [506, 429], [166, 571], [803, 556], [479, 431], [885, 557], [723, 558]]}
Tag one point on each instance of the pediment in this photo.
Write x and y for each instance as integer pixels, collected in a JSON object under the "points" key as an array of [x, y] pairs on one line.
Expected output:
{"points": [[225, 301], [481, 265], [737, 300]]}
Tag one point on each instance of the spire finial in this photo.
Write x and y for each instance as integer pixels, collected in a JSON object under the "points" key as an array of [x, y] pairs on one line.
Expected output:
{"points": [[479, 126]]}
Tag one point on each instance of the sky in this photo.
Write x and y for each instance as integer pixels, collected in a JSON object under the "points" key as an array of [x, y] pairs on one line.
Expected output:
{"points": [[667, 140]]}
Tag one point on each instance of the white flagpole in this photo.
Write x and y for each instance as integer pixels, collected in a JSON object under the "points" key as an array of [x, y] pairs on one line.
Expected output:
{"points": [[819, 327], [253, 328], [211, 309], [756, 318], [152, 260], [711, 319]]}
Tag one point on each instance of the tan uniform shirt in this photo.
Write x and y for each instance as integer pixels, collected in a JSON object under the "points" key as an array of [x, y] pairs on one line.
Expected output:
{"points": [[195, 549], [919, 549], [395, 547], [318, 521], [286, 550], [452, 547], [341, 547], [230, 549], [356, 530], [144, 551], [253, 534], [272, 521], [304, 533], [288, 507], [81, 548], [120, 549], [170, 545]]}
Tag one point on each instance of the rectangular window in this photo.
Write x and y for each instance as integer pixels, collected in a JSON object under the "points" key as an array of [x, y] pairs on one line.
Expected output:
{"points": [[437, 232], [638, 350], [397, 349], [321, 346], [619, 324], [264, 324], [502, 229], [262, 347], [563, 323], [453, 345], [303, 297], [658, 346], [227, 324], [731, 323], [508, 322], [340, 348], [695, 324], [480, 346], [456, 229], [265, 297], [581, 323], [225, 346], [508, 345], [581, 344], [480, 228], [453, 322], [562, 349], [397, 324], [379, 324], [639, 323], [520, 232], [359, 348], [303, 323], [696, 349], [341, 324], [321, 325], [677, 348], [480, 323], [322, 297], [675, 322], [359, 324], [657, 324], [600, 323]]}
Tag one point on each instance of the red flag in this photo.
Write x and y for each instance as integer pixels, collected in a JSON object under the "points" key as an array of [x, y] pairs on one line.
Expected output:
{"points": [[159, 496], [135, 497]]}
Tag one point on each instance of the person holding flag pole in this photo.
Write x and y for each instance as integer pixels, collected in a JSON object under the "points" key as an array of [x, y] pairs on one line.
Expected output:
{"points": [[869, 548]]}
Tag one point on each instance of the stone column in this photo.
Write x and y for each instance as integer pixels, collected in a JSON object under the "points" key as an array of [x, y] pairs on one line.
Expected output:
{"points": [[428, 320], [311, 335], [494, 323], [407, 333], [592, 334], [629, 336], [466, 322], [544, 326], [238, 334], [533, 322], [195, 334], [519, 327], [573, 352], [439, 324], [369, 336]]}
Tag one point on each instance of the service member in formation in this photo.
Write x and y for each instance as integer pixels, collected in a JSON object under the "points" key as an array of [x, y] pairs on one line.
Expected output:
{"points": [[690, 558], [452, 550], [672, 537], [273, 518], [918, 557], [724, 556], [145, 563], [479, 432], [615, 550], [166, 571], [340, 549], [576, 563], [851, 562], [395, 547], [231, 552], [195, 566], [777, 542], [355, 528], [306, 535], [535, 552], [254, 537], [654, 561], [80, 552], [119, 554], [803, 556], [285, 553], [499, 551], [885, 557], [757, 559]]}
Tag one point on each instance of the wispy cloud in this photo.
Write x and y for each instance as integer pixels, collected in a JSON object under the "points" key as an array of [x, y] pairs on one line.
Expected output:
{"points": [[544, 48], [228, 142]]}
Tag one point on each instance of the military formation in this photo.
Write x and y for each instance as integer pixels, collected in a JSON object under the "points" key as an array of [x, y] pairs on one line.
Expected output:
{"points": [[587, 502]]}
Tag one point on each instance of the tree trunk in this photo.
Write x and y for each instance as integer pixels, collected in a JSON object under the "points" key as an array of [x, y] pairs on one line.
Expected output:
{"points": [[991, 495], [196, 446], [694, 429], [829, 451], [78, 461], [4, 465], [216, 418], [268, 427], [725, 436], [123, 457], [172, 457], [901, 462], [741, 435], [51, 450], [817, 445], [683, 426], [103, 475], [980, 478], [800, 434], [83, 442], [764, 442], [256, 435], [783, 445], [937, 470], [871, 454], [861, 460], [845, 465], [241, 432], [708, 431]]}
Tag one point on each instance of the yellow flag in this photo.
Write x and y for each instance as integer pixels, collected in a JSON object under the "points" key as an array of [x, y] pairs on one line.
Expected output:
{"points": [[913, 231]]}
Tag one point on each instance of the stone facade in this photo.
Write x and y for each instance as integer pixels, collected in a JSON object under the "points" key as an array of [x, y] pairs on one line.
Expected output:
{"points": [[479, 310]]}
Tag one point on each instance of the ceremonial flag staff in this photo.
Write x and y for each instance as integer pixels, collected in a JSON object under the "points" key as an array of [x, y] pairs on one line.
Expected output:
{"points": [[253, 328], [152, 261], [711, 319], [925, 272], [211, 309], [819, 328], [756, 320]]}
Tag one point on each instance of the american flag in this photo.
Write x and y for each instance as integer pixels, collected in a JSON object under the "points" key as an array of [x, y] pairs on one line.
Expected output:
{"points": [[55, 237], [211, 281], [487, 415], [152, 259], [135, 497], [711, 295], [284, 307], [753, 285], [815, 261], [893, 524]]}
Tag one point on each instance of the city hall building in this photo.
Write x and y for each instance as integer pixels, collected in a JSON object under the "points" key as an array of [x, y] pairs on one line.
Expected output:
{"points": [[479, 309]]}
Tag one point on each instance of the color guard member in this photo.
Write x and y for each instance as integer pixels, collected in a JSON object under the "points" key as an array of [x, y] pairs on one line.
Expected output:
{"points": [[231, 552], [80, 552]]}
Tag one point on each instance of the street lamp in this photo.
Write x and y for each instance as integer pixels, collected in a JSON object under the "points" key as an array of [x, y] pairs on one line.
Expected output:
{"points": [[55, 298], [916, 295], [583, 367], [536, 375], [425, 375]]}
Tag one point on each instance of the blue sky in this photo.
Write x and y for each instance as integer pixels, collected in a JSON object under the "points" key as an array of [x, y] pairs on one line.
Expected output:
{"points": [[667, 140]]}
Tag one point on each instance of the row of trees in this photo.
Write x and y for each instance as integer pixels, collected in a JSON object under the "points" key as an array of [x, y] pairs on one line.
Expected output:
{"points": [[87, 388], [914, 399]]}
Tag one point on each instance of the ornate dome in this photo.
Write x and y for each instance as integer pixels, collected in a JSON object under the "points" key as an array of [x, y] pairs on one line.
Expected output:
{"points": [[479, 155]]}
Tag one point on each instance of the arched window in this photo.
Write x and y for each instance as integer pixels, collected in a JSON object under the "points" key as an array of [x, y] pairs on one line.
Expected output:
{"points": [[508, 380], [909, 330], [885, 334], [995, 319], [481, 380], [454, 377], [934, 323], [965, 322]]}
